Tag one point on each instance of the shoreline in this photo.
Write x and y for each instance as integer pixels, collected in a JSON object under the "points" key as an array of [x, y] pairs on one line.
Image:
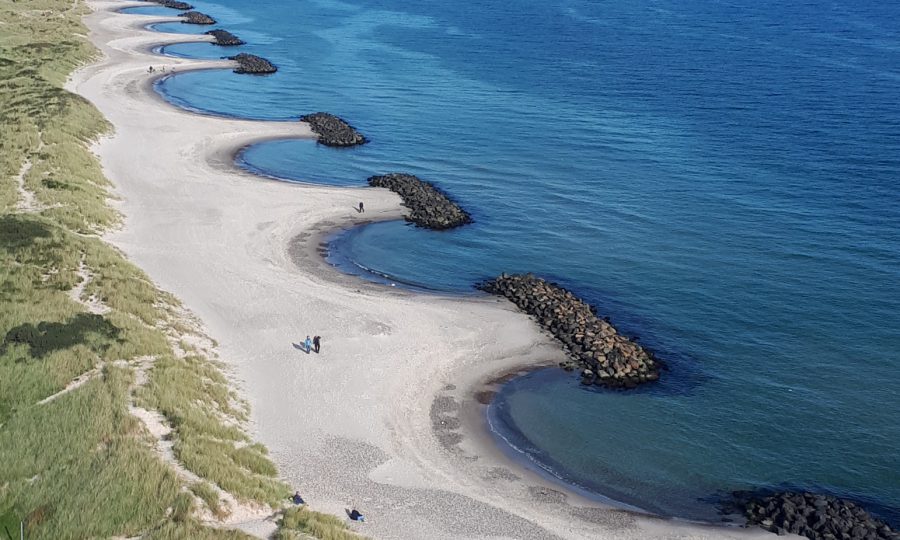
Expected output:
{"points": [[199, 228], [551, 471]]}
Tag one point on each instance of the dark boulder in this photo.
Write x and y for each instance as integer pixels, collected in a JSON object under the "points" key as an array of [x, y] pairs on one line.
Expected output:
{"points": [[225, 38], [612, 359], [195, 17], [428, 206], [815, 516], [333, 131], [255, 65]]}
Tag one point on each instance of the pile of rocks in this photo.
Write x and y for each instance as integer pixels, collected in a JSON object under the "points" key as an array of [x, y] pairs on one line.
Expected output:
{"points": [[225, 38], [195, 17], [605, 357], [174, 4], [818, 517], [333, 131], [250, 63], [429, 207]]}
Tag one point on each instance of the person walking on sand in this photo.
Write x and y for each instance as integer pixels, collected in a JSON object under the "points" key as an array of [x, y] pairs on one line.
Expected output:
{"points": [[308, 344], [316, 342], [361, 208]]}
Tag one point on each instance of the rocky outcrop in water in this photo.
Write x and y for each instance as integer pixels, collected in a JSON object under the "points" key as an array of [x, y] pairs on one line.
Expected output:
{"points": [[225, 38], [255, 65], [174, 4], [333, 131], [195, 17], [184, 6], [818, 517], [429, 207], [605, 357]]}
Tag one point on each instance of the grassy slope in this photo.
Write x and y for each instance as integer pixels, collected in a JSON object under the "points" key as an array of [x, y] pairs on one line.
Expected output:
{"points": [[300, 523], [80, 464]]}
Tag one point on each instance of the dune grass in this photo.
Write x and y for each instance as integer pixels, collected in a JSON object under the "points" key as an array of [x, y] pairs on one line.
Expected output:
{"points": [[301, 522], [210, 498], [77, 466], [193, 395], [74, 462]]}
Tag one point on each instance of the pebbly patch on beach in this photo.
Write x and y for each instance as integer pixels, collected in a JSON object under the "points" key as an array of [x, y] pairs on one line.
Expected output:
{"points": [[606, 357], [332, 130], [225, 38], [429, 207], [195, 17], [815, 516], [173, 4], [252, 64]]}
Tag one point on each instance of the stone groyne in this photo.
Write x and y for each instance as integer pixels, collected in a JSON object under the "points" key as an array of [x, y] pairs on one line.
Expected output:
{"points": [[605, 357], [184, 6], [429, 207], [195, 17], [225, 38], [252, 64], [818, 517], [333, 131], [174, 4]]}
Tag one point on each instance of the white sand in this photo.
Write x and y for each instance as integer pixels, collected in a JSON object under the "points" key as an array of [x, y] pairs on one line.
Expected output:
{"points": [[352, 426]]}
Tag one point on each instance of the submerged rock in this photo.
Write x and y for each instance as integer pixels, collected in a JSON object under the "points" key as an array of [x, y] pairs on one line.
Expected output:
{"points": [[815, 516], [195, 17], [429, 207], [225, 38], [333, 131], [250, 63], [606, 357]]}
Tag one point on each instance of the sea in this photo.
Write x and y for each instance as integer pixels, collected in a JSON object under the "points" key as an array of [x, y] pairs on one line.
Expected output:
{"points": [[720, 178]]}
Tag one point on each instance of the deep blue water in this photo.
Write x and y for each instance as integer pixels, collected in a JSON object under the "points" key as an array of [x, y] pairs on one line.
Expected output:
{"points": [[721, 178]]}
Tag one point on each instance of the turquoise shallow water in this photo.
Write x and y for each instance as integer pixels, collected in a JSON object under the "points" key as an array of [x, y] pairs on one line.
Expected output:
{"points": [[720, 179]]}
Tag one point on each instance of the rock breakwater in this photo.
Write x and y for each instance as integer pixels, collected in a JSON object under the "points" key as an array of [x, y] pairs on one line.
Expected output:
{"points": [[429, 207], [333, 131], [174, 4], [605, 357], [818, 517], [195, 17], [184, 6], [225, 38], [252, 64]]}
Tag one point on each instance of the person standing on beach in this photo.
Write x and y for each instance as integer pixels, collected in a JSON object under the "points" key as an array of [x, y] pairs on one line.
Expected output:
{"points": [[316, 342], [308, 344], [361, 208]]}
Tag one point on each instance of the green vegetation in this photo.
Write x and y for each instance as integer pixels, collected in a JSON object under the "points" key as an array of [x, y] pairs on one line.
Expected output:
{"points": [[193, 395], [210, 498], [74, 461], [297, 523], [191, 530]]}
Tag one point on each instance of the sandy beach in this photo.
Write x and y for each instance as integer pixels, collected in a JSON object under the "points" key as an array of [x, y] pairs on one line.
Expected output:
{"points": [[385, 418]]}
